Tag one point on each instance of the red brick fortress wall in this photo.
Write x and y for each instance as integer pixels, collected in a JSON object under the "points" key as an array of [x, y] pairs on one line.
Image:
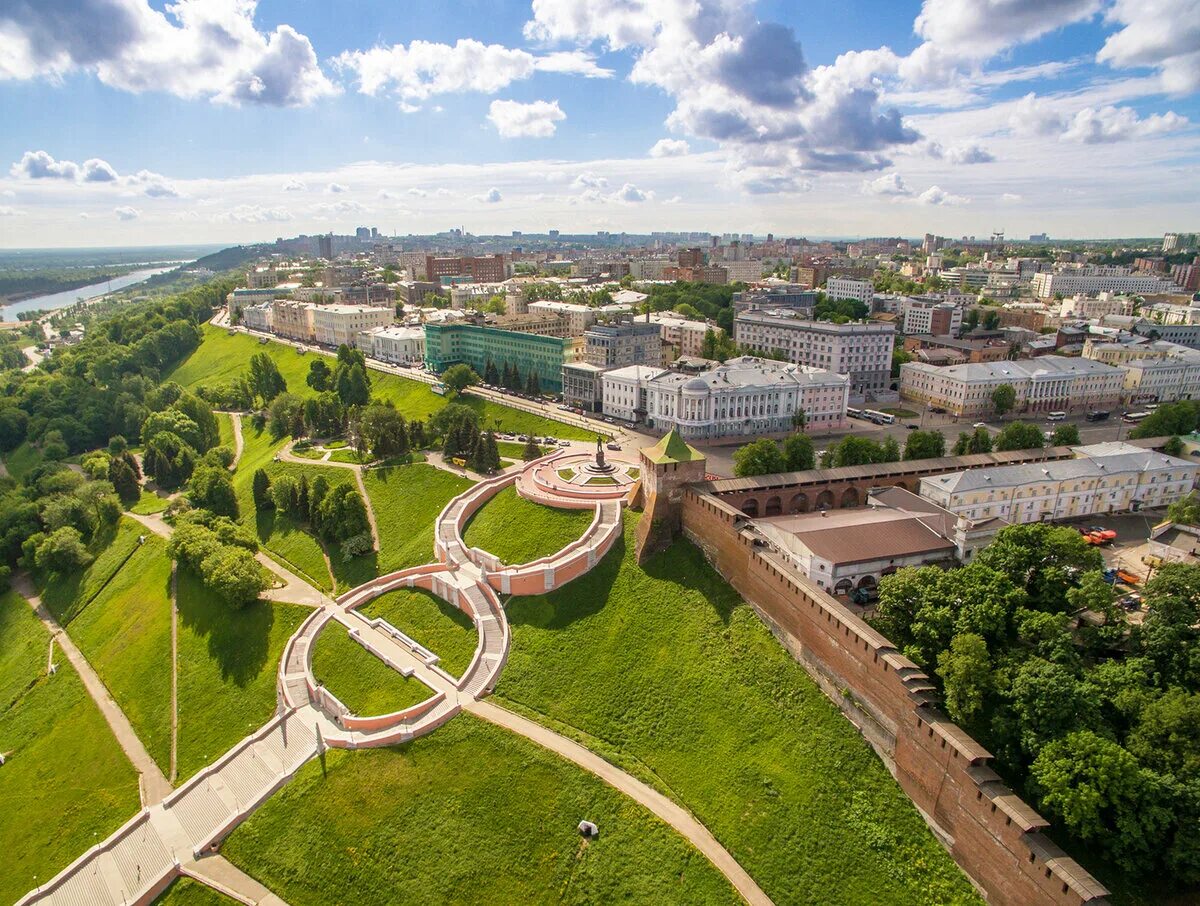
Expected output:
{"points": [[993, 835]]}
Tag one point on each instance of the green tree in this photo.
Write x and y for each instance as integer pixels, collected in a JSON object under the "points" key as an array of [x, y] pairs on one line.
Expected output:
{"points": [[324, 415], [966, 672], [234, 574], [1020, 436], [531, 451], [1185, 510], [1049, 702], [925, 445], [1004, 397], [318, 375], [1044, 559], [1100, 795], [1169, 419], [211, 488], [798, 453], [384, 430], [202, 415], [458, 378], [265, 379], [62, 552], [759, 457], [286, 416], [978, 441], [1065, 436], [1167, 737], [262, 490], [168, 459], [899, 357], [353, 385], [123, 480]]}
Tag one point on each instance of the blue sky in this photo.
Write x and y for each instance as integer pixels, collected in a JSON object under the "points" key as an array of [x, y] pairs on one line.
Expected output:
{"points": [[226, 120]]}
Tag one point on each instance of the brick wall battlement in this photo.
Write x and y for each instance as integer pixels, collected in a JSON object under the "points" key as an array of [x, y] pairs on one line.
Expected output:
{"points": [[991, 832]]}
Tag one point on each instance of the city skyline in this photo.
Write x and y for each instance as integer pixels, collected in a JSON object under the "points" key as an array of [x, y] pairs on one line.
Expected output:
{"points": [[234, 121]]}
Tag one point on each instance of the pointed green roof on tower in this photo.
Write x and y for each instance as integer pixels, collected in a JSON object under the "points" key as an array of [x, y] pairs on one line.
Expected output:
{"points": [[672, 448]]}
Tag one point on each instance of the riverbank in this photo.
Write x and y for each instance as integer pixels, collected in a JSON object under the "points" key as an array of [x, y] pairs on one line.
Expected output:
{"points": [[9, 309]]}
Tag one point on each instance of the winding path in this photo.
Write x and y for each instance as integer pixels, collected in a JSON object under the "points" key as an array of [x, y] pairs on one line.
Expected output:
{"points": [[179, 834], [286, 455], [154, 785]]}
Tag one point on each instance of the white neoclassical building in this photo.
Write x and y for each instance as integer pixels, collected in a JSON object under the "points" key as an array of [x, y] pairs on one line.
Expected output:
{"points": [[744, 397], [1044, 384], [1104, 478], [398, 345]]}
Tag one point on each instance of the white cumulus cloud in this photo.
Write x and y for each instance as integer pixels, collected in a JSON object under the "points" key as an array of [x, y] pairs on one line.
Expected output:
{"points": [[125, 212], [1164, 34], [935, 195], [191, 48], [669, 147], [491, 196], [537, 119], [890, 184]]}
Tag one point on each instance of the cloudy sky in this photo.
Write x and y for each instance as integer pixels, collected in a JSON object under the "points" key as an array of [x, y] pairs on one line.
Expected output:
{"points": [[130, 122]]}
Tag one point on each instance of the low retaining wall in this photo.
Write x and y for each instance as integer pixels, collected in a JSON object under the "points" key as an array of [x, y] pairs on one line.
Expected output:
{"points": [[990, 831], [383, 721]]}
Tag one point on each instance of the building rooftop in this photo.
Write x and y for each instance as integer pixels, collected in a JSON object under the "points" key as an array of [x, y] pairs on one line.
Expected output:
{"points": [[750, 371], [1026, 369], [672, 448]]}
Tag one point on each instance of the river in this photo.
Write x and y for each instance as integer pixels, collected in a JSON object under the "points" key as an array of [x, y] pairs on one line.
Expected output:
{"points": [[80, 294]]}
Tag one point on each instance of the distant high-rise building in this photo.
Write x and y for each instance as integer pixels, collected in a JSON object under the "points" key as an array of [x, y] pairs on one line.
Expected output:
{"points": [[1170, 242], [554, 234], [325, 246], [692, 257], [1039, 237], [362, 233]]}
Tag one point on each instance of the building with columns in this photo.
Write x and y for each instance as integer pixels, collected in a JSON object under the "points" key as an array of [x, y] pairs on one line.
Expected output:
{"points": [[1045, 384]]}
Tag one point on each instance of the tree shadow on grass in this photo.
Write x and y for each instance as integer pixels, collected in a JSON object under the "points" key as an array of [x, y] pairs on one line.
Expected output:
{"points": [[683, 564], [60, 592], [576, 600], [238, 639], [355, 571]]}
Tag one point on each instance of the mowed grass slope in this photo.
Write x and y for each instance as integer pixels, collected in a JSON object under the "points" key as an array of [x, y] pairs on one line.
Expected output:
{"points": [[665, 671], [472, 814], [125, 633], [438, 625], [65, 596], [406, 501], [227, 666], [65, 782], [360, 680], [186, 892], [221, 358], [22, 460], [517, 531]]}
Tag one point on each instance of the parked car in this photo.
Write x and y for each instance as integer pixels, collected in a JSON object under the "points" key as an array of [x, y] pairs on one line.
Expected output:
{"points": [[1097, 416], [979, 425], [938, 410], [864, 596], [1128, 578], [1131, 602], [613, 446], [912, 427], [1101, 530]]}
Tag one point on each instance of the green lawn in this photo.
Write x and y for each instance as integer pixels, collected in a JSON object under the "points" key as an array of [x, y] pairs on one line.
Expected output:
{"points": [[665, 671], [308, 453], [227, 665], [186, 892], [346, 456], [65, 782], [361, 681], [66, 596], [149, 503], [514, 450], [125, 633], [225, 428], [518, 531], [424, 617], [406, 501], [222, 357], [23, 460], [503, 831]]}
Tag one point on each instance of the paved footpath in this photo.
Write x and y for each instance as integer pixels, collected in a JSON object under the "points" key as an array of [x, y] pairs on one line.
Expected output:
{"points": [[673, 814], [223, 876], [294, 590], [154, 784]]}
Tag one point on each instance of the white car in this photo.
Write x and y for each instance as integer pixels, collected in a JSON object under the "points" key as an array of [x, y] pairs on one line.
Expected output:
{"points": [[979, 425]]}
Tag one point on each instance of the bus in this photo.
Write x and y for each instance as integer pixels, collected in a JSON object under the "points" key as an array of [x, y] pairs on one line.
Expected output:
{"points": [[439, 388], [879, 418], [1056, 416], [1134, 417], [853, 413]]}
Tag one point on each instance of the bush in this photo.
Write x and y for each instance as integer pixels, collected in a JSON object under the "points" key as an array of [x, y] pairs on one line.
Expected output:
{"points": [[62, 551]]}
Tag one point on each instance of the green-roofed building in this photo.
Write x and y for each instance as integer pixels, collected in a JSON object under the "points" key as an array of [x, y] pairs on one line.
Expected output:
{"points": [[672, 448], [476, 345]]}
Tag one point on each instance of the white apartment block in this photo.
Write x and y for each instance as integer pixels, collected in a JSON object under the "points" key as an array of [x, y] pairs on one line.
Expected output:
{"points": [[1162, 380], [578, 317], [398, 345], [743, 271], [257, 317], [861, 350], [744, 397], [649, 268], [1045, 384], [1088, 308], [925, 317], [1105, 478], [1046, 285], [685, 334], [335, 325], [622, 394], [847, 288]]}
